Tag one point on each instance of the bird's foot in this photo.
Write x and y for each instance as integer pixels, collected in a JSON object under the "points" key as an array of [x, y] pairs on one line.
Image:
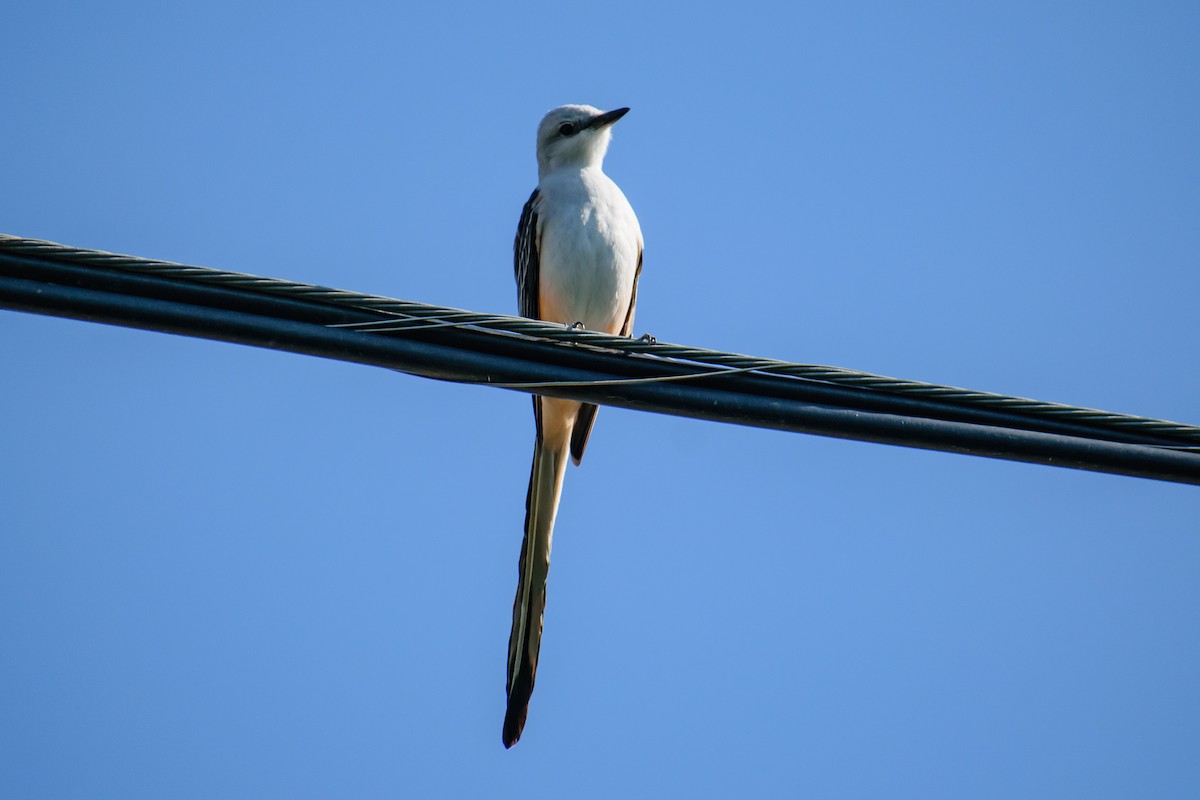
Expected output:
{"points": [[647, 338], [578, 326]]}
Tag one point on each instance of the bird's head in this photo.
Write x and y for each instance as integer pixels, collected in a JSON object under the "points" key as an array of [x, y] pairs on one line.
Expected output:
{"points": [[574, 136]]}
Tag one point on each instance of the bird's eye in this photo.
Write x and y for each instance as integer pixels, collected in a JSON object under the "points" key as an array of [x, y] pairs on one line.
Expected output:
{"points": [[567, 129]]}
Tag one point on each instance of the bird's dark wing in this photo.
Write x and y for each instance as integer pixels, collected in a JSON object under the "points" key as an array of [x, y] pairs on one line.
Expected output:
{"points": [[526, 264], [627, 327], [527, 269]]}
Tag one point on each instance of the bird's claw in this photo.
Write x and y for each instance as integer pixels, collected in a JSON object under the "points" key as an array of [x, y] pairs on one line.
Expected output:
{"points": [[647, 338], [578, 326]]}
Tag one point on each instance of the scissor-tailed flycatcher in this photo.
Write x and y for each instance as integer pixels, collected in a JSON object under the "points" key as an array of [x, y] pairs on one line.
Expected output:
{"points": [[577, 256]]}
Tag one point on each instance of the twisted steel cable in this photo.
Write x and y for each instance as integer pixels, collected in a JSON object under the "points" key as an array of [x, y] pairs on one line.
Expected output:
{"points": [[398, 316]]}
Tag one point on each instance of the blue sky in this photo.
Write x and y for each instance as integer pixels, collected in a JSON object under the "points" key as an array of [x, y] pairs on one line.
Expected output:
{"points": [[227, 572]]}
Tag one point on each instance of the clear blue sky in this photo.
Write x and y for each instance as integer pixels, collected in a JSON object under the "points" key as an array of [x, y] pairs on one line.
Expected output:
{"points": [[229, 573]]}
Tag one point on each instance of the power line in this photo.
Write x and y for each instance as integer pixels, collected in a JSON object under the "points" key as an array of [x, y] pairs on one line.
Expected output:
{"points": [[516, 353]]}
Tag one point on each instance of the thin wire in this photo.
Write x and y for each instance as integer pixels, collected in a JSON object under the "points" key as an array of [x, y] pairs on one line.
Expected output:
{"points": [[534, 385], [408, 315]]}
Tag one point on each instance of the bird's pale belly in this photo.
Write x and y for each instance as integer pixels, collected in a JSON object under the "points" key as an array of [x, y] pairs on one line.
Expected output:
{"points": [[592, 285]]}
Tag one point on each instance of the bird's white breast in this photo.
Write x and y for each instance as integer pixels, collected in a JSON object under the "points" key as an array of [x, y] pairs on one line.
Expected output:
{"points": [[589, 247]]}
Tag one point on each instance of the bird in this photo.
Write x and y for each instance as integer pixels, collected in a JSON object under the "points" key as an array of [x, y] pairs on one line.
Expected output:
{"points": [[577, 258]]}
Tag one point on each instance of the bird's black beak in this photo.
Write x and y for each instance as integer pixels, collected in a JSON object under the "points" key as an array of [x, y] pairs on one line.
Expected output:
{"points": [[607, 118]]}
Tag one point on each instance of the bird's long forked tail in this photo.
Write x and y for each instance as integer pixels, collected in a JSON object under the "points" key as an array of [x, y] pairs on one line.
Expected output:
{"points": [[541, 506]]}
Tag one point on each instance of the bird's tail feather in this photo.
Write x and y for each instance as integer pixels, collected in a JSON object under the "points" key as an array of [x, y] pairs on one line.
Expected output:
{"points": [[541, 506]]}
